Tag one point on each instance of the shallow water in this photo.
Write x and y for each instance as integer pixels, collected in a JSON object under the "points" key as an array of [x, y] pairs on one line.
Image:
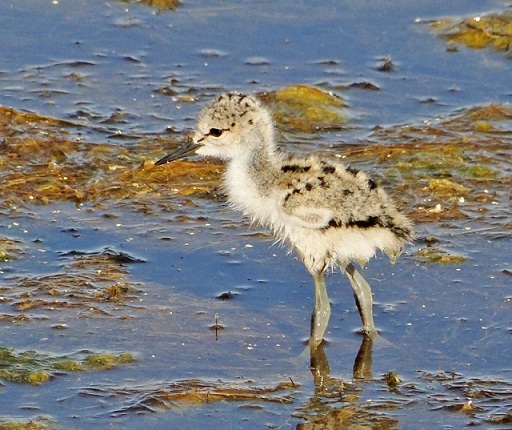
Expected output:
{"points": [[124, 72]]}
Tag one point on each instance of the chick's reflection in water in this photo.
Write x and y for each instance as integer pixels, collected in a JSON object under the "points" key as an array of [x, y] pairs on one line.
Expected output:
{"points": [[320, 369]]}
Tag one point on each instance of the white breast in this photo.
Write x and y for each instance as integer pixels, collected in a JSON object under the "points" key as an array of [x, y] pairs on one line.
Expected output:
{"points": [[245, 196]]}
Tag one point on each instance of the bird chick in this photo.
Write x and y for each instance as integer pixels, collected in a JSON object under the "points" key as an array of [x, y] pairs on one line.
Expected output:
{"points": [[330, 213]]}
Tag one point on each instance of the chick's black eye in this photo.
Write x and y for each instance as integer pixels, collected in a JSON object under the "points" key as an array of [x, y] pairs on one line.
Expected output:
{"points": [[215, 132]]}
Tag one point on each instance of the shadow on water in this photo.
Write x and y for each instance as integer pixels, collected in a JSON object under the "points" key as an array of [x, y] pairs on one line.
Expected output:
{"points": [[131, 296]]}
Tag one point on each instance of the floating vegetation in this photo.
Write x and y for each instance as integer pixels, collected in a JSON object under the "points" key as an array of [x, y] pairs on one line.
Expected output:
{"points": [[305, 109], [392, 379], [39, 423], [435, 255], [447, 188], [31, 367], [93, 282], [485, 31], [164, 396], [39, 167], [161, 5], [483, 401], [447, 170], [9, 249], [486, 400]]}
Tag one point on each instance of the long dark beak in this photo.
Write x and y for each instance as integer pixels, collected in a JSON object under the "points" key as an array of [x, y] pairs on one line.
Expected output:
{"points": [[183, 151]]}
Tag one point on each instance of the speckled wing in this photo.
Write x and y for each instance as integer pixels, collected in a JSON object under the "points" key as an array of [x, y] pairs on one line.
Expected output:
{"points": [[320, 195]]}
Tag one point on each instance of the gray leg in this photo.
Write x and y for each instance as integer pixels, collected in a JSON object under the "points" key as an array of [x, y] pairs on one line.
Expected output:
{"points": [[364, 300], [321, 313]]}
